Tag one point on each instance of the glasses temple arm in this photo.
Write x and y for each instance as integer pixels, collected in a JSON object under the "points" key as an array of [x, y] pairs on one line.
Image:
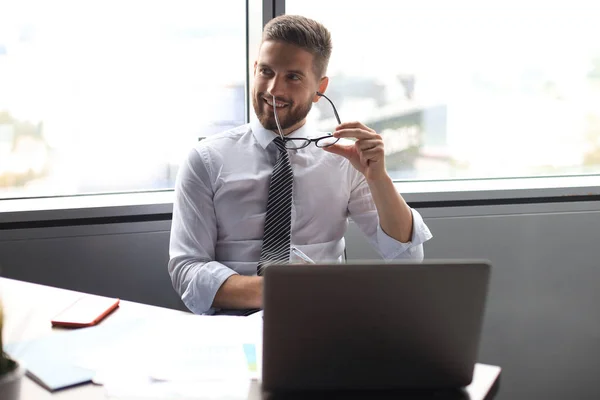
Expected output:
{"points": [[337, 117]]}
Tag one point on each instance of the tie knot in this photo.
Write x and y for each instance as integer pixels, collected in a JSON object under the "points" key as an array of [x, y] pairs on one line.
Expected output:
{"points": [[279, 143]]}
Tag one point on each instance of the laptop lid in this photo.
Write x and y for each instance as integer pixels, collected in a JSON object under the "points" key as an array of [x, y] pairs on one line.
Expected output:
{"points": [[373, 325]]}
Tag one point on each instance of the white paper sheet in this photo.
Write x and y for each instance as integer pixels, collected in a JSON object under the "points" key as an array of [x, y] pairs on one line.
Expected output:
{"points": [[185, 356]]}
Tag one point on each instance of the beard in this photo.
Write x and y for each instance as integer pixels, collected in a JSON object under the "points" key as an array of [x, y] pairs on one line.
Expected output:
{"points": [[288, 116]]}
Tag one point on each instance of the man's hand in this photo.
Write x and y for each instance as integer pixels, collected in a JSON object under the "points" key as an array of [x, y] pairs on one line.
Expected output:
{"points": [[366, 154]]}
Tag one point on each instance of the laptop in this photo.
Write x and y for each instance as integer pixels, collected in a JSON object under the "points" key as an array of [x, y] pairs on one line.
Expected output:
{"points": [[373, 325]]}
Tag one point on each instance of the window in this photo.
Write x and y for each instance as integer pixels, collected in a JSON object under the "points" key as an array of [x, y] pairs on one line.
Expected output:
{"points": [[468, 89], [109, 96]]}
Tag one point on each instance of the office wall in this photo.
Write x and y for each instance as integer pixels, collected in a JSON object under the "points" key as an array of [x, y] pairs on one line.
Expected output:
{"points": [[125, 260], [542, 325]]}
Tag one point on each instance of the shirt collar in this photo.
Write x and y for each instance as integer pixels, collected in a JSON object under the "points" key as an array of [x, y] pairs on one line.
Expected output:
{"points": [[264, 136]]}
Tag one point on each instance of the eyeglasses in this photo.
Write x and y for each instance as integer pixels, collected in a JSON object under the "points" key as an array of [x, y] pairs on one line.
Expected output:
{"points": [[300, 143]]}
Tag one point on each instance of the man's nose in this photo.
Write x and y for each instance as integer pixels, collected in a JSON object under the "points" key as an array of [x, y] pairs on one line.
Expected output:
{"points": [[276, 86]]}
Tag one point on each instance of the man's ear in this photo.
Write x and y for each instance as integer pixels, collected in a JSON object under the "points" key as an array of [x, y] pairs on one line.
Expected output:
{"points": [[322, 88], [255, 64]]}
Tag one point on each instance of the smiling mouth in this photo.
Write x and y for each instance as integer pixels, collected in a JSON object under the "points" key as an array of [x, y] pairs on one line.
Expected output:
{"points": [[278, 104]]}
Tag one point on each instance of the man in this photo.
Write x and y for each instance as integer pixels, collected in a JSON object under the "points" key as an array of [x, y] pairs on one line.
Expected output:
{"points": [[242, 198]]}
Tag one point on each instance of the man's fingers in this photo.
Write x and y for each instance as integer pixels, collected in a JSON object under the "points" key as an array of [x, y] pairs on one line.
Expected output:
{"points": [[366, 144], [340, 149], [354, 125], [375, 153], [356, 133]]}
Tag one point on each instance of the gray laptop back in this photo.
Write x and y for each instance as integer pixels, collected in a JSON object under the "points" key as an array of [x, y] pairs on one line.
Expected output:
{"points": [[373, 326]]}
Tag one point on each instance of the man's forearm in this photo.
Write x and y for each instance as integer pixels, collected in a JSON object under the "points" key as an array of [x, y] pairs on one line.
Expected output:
{"points": [[395, 216], [240, 292]]}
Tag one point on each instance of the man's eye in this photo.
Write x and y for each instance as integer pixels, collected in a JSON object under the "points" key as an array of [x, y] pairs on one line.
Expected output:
{"points": [[264, 71], [294, 77]]}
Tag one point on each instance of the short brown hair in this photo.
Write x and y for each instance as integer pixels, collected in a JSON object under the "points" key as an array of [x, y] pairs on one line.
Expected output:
{"points": [[305, 33]]}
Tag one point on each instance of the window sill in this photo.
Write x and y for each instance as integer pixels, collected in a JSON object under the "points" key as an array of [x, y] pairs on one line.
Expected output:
{"points": [[501, 191], [86, 206], [418, 194]]}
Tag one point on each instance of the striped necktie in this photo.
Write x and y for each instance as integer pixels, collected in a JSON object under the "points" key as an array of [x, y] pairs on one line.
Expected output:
{"points": [[278, 221]]}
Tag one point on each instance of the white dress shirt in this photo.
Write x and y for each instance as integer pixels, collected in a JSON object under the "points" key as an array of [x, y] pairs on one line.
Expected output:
{"points": [[221, 200]]}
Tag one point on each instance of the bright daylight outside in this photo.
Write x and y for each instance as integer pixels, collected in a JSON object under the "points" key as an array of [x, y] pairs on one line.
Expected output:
{"points": [[468, 88], [110, 96]]}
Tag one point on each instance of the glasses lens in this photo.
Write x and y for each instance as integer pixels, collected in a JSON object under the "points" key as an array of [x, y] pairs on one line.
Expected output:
{"points": [[296, 144], [327, 141]]}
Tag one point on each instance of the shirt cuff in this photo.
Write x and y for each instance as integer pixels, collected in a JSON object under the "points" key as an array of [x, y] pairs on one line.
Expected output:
{"points": [[391, 248], [203, 287]]}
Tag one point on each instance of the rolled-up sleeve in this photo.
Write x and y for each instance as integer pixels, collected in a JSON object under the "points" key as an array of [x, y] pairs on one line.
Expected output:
{"points": [[391, 249], [194, 273], [362, 210]]}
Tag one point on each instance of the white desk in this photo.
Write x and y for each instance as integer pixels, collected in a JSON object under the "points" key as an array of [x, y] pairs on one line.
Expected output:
{"points": [[30, 307]]}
